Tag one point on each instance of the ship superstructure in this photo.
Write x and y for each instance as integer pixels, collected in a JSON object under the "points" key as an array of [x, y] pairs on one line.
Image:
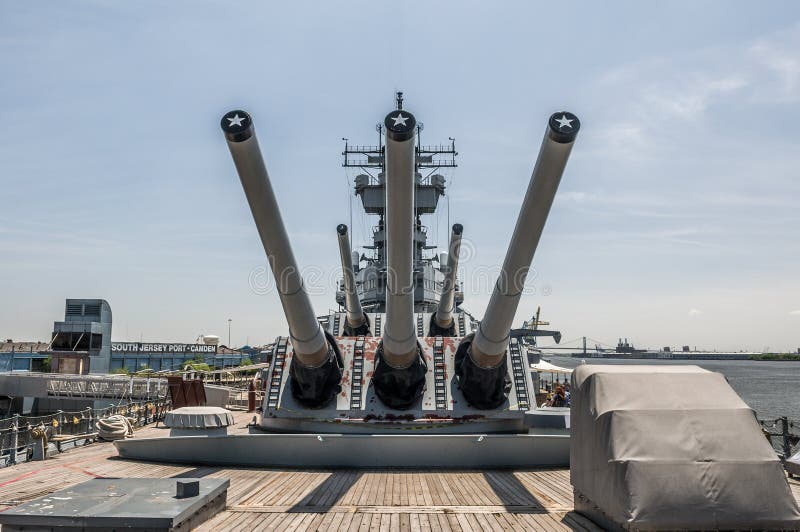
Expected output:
{"points": [[370, 187]]}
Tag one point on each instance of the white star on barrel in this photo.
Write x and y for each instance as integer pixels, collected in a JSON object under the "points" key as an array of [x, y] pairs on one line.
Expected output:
{"points": [[564, 122], [399, 120], [236, 120]]}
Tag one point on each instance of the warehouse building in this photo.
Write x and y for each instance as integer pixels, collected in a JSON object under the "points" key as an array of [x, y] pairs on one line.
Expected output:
{"points": [[82, 344]]}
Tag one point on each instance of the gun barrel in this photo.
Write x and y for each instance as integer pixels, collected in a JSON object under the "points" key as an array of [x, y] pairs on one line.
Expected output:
{"points": [[399, 333], [355, 314], [446, 308], [491, 339], [308, 340]]}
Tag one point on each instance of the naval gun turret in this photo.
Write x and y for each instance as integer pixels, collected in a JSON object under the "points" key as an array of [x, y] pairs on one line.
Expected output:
{"points": [[401, 352]]}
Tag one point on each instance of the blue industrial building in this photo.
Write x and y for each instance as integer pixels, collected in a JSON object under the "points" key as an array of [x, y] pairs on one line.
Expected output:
{"points": [[82, 344], [23, 356], [170, 356]]}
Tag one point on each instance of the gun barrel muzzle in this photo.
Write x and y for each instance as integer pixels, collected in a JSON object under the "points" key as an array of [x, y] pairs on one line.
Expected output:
{"points": [[399, 333], [308, 340], [491, 339], [355, 314], [446, 308]]}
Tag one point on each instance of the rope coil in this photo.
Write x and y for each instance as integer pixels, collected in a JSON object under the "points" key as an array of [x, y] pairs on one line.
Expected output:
{"points": [[39, 433], [113, 428]]}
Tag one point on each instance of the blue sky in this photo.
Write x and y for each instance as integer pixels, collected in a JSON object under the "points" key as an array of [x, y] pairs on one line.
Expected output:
{"points": [[676, 223]]}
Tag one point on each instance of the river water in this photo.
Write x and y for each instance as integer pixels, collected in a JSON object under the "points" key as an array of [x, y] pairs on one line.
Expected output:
{"points": [[771, 388]]}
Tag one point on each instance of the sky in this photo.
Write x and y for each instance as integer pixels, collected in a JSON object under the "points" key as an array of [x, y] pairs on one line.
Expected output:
{"points": [[676, 222]]}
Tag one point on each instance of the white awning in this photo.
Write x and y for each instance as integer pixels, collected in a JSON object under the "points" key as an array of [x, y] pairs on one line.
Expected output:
{"points": [[547, 367]]}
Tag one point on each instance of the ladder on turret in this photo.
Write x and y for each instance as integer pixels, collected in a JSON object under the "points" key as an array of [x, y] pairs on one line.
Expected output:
{"points": [[274, 388]]}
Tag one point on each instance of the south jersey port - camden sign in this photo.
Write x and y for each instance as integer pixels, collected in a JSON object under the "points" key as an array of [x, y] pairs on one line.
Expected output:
{"points": [[136, 347]]}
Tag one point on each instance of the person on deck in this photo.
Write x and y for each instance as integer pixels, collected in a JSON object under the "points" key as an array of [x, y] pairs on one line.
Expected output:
{"points": [[558, 399]]}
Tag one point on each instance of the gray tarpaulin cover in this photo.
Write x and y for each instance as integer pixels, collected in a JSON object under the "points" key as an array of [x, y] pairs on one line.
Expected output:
{"points": [[672, 447], [198, 417]]}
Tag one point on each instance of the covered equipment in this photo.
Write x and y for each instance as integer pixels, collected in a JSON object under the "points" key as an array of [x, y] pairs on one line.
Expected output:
{"points": [[672, 448]]}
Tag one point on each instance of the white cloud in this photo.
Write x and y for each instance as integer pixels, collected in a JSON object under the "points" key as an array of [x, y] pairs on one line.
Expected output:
{"points": [[625, 140], [780, 55], [756, 200], [618, 199], [652, 100], [695, 312], [688, 99]]}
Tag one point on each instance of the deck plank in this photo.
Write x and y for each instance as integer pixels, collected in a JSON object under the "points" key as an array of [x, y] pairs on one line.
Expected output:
{"points": [[318, 499]]}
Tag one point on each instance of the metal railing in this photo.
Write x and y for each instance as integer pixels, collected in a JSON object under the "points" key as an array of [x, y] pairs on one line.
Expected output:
{"points": [[238, 378], [19, 433], [105, 386], [239, 399], [782, 433]]}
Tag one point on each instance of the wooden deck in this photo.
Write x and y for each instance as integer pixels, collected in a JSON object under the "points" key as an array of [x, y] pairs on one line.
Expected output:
{"points": [[273, 499]]}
